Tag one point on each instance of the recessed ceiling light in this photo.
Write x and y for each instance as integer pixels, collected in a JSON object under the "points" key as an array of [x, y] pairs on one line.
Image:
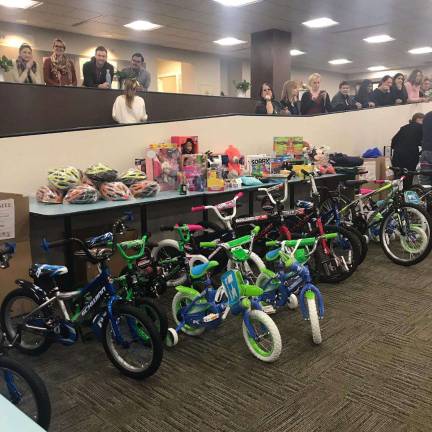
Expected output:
{"points": [[422, 50], [236, 3], [379, 39], [377, 68], [141, 25], [295, 52], [320, 22], [229, 41], [20, 4], [340, 61]]}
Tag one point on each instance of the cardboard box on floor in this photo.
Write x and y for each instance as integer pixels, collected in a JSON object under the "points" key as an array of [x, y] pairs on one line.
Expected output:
{"points": [[15, 228]]}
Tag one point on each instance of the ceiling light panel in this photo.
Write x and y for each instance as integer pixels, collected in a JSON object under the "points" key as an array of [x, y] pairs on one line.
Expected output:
{"points": [[229, 41], [377, 68], [141, 25], [20, 4], [339, 61], [236, 3], [422, 50], [379, 39], [295, 52], [320, 23]]}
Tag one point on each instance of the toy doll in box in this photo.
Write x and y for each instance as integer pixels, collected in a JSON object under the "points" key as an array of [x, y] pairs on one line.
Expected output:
{"points": [[194, 167], [166, 165]]}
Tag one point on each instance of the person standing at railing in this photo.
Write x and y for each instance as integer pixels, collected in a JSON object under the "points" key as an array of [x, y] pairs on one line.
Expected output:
{"points": [[129, 108], [413, 86], [382, 95], [406, 144], [314, 100], [98, 72], [290, 98], [342, 101], [365, 94], [398, 90], [425, 90], [24, 69], [138, 72], [268, 104], [58, 69]]}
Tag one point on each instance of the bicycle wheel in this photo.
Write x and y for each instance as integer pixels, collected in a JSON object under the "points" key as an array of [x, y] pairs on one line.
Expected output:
{"points": [[424, 194], [313, 317], [16, 305], [139, 353], [21, 386], [168, 250], [363, 242], [403, 237], [267, 346], [155, 313], [180, 301]]}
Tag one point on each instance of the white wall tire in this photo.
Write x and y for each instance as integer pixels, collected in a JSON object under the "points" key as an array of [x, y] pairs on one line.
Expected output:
{"points": [[273, 351], [314, 320], [292, 302], [179, 300], [172, 338]]}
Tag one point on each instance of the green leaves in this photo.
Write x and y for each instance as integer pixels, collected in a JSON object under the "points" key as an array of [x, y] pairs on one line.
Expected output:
{"points": [[5, 63]]}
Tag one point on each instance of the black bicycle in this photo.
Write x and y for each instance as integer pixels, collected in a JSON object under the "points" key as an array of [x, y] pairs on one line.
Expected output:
{"points": [[19, 384]]}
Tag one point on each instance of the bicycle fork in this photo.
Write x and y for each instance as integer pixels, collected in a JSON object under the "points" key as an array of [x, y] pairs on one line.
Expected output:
{"points": [[311, 292]]}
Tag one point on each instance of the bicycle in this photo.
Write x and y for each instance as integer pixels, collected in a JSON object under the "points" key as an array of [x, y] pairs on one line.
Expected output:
{"points": [[19, 384], [40, 314]]}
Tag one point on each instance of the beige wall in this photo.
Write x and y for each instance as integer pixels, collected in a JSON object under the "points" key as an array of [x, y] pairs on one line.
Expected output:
{"points": [[26, 160]]}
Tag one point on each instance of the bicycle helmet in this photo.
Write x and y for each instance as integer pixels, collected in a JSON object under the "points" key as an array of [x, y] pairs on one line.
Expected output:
{"points": [[101, 173], [144, 188], [48, 195], [64, 178], [82, 194], [115, 191], [131, 176]]}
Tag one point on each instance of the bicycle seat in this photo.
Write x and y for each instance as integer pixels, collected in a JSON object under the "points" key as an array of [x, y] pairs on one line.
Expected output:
{"points": [[198, 271], [355, 183], [40, 270], [304, 204], [272, 255]]}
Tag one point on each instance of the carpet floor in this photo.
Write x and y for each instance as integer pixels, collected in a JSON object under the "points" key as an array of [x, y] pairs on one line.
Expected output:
{"points": [[373, 371]]}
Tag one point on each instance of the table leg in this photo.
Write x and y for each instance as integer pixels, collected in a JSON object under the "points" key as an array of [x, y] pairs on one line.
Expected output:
{"points": [[69, 256], [251, 203], [205, 213], [144, 225]]}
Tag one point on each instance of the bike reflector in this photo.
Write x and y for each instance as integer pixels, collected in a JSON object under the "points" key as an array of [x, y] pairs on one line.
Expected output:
{"points": [[231, 281]]}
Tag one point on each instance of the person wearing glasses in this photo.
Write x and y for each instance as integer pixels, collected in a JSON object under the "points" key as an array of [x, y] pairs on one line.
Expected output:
{"points": [[267, 104], [58, 69], [137, 71]]}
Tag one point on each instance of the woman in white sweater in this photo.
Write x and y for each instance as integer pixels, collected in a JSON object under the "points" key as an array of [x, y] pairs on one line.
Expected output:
{"points": [[24, 69], [129, 108]]}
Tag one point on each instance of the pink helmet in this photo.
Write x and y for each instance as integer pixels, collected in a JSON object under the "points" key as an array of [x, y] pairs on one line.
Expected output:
{"points": [[144, 188], [115, 191], [82, 194]]}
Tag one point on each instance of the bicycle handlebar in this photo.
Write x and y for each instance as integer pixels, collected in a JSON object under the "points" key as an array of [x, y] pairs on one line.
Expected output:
{"points": [[308, 241], [198, 208]]}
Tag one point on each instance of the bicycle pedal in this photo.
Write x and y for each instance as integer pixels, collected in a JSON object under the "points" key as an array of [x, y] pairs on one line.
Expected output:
{"points": [[211, 317], [268, 309]]}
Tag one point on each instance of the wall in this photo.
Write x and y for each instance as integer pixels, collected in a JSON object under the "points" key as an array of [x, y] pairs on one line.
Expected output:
{"points": [[206, 66], [344, 132]]}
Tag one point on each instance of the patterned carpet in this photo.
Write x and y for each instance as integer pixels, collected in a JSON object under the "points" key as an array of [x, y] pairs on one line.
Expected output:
{"points": [[373, 371]]}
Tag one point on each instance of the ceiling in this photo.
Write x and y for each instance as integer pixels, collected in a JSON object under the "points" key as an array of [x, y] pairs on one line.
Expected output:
{"points": [[195, 24]]}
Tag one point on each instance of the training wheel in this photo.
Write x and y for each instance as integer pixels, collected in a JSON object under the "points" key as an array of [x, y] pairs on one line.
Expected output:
{"points": [[171, 338], [293, 302]]}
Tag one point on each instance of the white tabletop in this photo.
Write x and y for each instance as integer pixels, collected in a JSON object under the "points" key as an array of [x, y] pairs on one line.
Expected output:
{"points": [[13, 420]]}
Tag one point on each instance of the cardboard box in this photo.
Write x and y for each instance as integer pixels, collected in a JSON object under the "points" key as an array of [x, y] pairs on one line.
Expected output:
{"points": [[15, 228]]}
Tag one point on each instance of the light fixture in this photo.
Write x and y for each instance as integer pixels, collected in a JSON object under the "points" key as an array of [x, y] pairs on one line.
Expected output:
{"points": [[141, 25], [229, 41], [422, 50], [340, 61], [377, 68], [296, 52], [236, 3], [320, 23], [379, 39], [20, 4]]}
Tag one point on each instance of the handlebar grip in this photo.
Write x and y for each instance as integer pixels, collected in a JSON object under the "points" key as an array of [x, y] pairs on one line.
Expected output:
{"points": [[272, 243], [212, 244], [256, 230], [291, 175], [306, 173], [330, 236], [198, 208], [166, 228], [239, 195], [46, 245]]}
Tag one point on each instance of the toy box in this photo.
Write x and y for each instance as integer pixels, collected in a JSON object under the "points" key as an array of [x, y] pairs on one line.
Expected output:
{"points": [[215, 181], [194, 168], [288, 146], [258, 165], [163, 165], [181, 141], [279, 163]]}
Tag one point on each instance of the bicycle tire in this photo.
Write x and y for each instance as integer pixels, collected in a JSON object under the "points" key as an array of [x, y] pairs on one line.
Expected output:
{"points": [[151, 331], [36, 385], [155, 313], [363, 242], [314, 321]]}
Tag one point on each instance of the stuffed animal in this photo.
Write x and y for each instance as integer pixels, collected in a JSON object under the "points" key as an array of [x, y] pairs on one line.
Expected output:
{"points": [[319, 156], [234, 167]]}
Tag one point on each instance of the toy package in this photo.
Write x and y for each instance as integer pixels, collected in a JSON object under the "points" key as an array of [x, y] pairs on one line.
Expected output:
{"points": [[194, 168], [288, 146], [163, 165], [186, 144], [215, 181], [258, 165], [280, 164]]}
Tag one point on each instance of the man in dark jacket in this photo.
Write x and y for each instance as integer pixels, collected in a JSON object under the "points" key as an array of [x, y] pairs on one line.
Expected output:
{"points": [[98, 72], [405, 145], [342, 101], [426, 156]]}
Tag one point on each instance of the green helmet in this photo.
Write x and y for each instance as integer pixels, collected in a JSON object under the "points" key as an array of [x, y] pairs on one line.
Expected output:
{"points": [[101, 173], [64, 178], [131, 176]]}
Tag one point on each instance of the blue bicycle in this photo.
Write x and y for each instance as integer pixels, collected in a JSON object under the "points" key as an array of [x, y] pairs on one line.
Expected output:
{"points": [[19, 384], [40, 314], [292, 283]]}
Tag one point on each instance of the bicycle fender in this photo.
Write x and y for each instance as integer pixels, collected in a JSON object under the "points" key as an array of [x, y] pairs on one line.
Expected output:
{"points": [[248, 324], [33, 290], [187, 291], [319, 299]]}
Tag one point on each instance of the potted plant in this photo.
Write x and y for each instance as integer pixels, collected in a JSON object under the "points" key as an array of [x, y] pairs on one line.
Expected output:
{"points": [[242, 87], [5, 65]]}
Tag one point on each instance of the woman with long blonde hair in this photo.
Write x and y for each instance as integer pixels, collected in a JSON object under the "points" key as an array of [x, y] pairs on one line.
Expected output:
{"points": [[315, 100], [129, 108], [290, 98]]}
